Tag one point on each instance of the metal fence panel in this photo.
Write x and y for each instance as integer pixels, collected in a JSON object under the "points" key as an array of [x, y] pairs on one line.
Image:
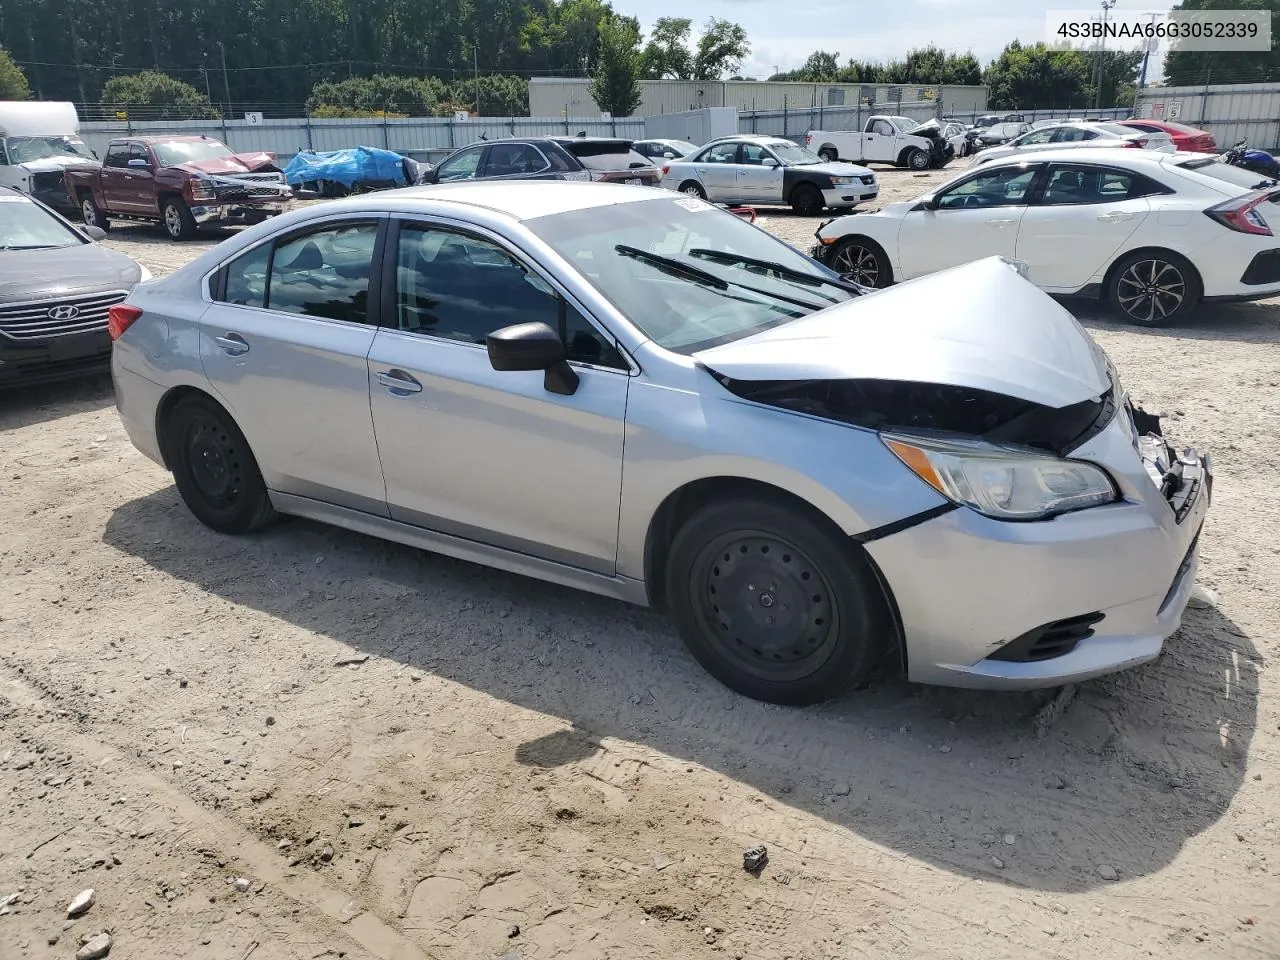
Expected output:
{"points": [[1229, 111]]}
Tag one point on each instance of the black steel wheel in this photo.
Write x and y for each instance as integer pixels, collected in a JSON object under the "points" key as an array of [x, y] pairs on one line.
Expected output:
{"points": [[828, 154], [806, 200], [862, 261], [773, 603], [1154, 288], [214, 469]]}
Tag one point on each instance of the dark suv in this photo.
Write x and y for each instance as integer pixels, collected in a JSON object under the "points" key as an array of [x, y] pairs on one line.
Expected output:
{"points": [[547, 158]]}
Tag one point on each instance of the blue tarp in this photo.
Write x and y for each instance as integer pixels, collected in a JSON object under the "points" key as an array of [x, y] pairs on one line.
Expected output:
{"points": [[347, 167]]}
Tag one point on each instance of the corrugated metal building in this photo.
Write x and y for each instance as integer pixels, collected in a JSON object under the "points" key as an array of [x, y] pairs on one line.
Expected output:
{"points": [[1229, 111], [569, 96]]}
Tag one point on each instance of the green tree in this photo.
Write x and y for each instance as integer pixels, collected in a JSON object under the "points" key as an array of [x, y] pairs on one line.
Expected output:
{"points": [[1186, 67], [156, 95], [820, 67], [1037, 76], [615, 84], [666, 55], [13, 82], [1119, 76], [500, 96], [721, 49], [371, 96]]}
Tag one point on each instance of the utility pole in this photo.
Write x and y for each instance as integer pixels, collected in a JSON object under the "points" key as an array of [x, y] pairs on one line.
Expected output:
{"points": [[226, 84], [475, 62], [1102, 55], [1150, 45]]}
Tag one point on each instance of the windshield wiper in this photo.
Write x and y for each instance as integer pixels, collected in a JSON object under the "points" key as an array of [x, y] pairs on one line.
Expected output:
{"points": [[697, 275], [33, 246], [790, 273]]}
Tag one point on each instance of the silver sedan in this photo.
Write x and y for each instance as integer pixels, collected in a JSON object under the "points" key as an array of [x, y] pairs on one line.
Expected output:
{"points": [[643, 396]]}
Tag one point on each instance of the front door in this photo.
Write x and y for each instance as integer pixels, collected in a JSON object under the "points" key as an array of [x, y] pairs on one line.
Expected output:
{"points": [[757, 181], [976, 218], [1083, 216], [286, 348], [880, 142], [140, 182], [488, 456], [113, 180]]}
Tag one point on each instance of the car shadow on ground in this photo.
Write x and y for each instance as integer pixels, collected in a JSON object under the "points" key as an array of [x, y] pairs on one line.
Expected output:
{"points": [[1225, 322], [27, 406], [1123, 773]]}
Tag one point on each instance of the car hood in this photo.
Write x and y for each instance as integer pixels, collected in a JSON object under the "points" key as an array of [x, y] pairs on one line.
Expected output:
{"points": [[44, 274], [61, 162], [835, 169], [979, 326], [237, 163]]}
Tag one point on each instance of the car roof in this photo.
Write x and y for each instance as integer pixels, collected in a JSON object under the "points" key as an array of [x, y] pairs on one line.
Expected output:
{"points": [[176, 138], [750, 138], [518, 199], [1101, 155]]}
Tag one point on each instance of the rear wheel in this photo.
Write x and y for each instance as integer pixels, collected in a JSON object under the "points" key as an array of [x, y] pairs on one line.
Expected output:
{"points": [[773, 603], [92, 214], [694, 189], [861, 261], [214, 469], [916, 159], [1154, 288], [177, 219], [828, 154], [806, 201]]}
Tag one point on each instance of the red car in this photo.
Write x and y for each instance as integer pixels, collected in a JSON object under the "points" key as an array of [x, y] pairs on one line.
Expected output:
{"points": [[1184, 138]]}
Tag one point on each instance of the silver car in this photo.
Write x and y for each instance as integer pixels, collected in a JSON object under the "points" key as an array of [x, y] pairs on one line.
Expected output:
{"points": [[643, 396]]}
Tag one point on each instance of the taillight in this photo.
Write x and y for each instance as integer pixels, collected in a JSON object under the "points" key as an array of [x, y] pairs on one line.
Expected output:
{"points": [[1140, 143], [808, 139], [1242, 215], [665, 168], [120, 318]]}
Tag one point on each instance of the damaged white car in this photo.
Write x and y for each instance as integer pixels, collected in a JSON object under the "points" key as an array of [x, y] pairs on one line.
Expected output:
{"points": [[644, 396]]}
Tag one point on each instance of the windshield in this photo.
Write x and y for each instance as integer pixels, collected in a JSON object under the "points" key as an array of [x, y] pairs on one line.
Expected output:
{"points": [[682, 147], [25, 226], [791, 155], [1236, 176], [1119, 129], [905, 123], [184, 151], [679, 312], [27, 149]]}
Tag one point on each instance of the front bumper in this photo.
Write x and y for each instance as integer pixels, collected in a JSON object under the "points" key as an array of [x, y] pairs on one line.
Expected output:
{"points": [[236, 213], [67, 357], [967, 587], [847, 195]]}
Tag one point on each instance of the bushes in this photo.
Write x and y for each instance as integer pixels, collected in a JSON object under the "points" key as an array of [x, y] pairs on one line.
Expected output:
{"points": [[163, 97]]}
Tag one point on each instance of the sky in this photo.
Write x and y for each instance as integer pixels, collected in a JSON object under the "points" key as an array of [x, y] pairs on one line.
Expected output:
{"points": [[783, 34]]}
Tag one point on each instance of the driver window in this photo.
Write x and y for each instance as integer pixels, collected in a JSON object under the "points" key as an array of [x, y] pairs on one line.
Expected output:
{"points": [[139, 152], [882, 128], [461, 166], [754, 154], [1006, 187], [1038, 136], [117, 155]]}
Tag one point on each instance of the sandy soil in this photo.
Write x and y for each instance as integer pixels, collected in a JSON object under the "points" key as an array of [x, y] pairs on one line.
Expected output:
{"points": [[405, 756]]}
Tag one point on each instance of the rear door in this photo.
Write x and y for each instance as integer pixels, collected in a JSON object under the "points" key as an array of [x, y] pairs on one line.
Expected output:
{"points": [[113, 181], [286, 347], [717, 168], [1078, 222]]}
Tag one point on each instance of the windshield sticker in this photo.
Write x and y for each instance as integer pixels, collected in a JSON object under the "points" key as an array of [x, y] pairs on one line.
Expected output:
{"points": [[694, 204]]}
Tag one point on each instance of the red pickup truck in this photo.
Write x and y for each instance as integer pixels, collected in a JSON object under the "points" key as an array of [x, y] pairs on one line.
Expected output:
{"points": [[179, 182]]}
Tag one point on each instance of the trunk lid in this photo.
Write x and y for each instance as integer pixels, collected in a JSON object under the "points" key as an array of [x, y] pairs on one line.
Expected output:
{"points": [[979, 326]]}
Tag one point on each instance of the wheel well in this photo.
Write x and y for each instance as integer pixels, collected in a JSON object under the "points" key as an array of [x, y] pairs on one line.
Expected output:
{"points": [[829, 146], [902, 155], [868, 242], [1105, 294], [802, 185], [691, 182], [165, 409], [84, 193], [682, 503], [164, 195]]}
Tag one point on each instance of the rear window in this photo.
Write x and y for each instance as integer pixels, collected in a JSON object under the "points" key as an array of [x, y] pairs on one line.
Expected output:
{"points": [[1236, 176], [612, 161], [1118, 129]]}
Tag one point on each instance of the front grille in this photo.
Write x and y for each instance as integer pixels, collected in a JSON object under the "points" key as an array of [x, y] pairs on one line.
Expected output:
{"points": [[1049, 641], [259, 177], [59, 317]]}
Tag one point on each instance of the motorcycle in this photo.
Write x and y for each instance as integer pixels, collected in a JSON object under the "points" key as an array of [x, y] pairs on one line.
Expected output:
{"points": [[1255, 161]]}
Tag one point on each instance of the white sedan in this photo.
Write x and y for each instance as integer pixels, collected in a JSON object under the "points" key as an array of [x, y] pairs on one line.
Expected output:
{"points": [[1153, 233], [1077, 135]]}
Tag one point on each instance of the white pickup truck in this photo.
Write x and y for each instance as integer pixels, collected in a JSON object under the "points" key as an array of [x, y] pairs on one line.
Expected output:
{"points": [[900, 141]]}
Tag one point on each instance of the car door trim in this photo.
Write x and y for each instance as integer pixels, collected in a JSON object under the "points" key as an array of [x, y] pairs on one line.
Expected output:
{"points": [[388, 285]]}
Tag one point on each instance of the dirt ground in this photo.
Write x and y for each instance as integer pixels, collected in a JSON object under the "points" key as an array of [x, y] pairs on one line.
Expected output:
{"points": [[309, 743]]}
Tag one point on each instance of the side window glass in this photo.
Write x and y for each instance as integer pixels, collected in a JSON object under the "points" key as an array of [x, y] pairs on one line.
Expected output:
{"points": [[1006, 187], [139, 152], [461, 166], [882, 127], [558, 163], [513, 159], [324, 273], [246, 283], [721, 153], [117, 156]]}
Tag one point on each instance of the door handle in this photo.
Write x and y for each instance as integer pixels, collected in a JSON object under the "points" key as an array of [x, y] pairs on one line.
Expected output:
{"points": [[1116, 216], [1000, 223], [233, 344], [397, 381]]}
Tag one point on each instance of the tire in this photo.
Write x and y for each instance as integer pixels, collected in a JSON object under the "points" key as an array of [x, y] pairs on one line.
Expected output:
{"points": [[694, 189], [828, 154], [92, 214], [214, 469], [916, 159], [863, 261], [734, 560], [1133, 278], [176, 219], [806, 201]]}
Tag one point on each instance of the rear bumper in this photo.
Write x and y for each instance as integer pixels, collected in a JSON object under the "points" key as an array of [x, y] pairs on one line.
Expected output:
{"points": [[1238, 266], [68, 357]]}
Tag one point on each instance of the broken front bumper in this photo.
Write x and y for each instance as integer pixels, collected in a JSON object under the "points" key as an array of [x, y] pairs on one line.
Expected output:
{"points": [[992, 604], [236, 213]]}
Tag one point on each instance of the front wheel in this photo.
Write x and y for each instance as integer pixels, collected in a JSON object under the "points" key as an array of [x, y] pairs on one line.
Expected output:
{"points": [[1155, 288], [917, 159], [214, 469], [806, 201], [861, 261], [179, 224], [772, 604]]}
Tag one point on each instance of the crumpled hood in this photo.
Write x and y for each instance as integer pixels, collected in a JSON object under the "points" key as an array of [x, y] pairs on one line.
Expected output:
{"points": [[236, 163], [61, 162], [925, 127], [45, 274], [979, 325]]}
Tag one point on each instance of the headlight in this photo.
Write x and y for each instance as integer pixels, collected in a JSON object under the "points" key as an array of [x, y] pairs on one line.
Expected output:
{"points": [[146, 274], [841, 181], [202, 190], [1003, 483]]}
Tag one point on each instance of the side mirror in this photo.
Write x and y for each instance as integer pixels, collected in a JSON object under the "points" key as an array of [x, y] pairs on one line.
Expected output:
{"points": [[139, 164], [533, 346], [94, 233], [768, 162], [930, 202], [668, 155]]}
